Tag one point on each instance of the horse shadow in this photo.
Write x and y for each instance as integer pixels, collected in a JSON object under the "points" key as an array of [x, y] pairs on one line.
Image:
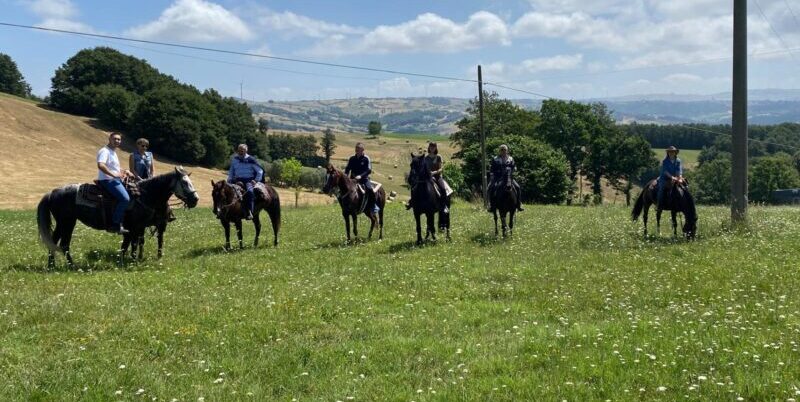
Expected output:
{"points": [[487, 239], [213, 250], [334, 244], [410, 245], [92, 260]]}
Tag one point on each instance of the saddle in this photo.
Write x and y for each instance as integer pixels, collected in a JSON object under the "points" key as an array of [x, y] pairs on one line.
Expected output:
{"points": [[95, 196], [260, 189], [375, 187]]}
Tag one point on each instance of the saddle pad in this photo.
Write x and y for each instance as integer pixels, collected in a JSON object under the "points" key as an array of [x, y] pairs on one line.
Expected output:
{"points": [[89, 195], [447, 189]]}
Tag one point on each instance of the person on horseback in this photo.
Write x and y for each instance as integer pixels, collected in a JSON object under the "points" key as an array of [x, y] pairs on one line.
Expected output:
{"points": [[435, 164], [359, 168], [110, 177], [141, 160], [671, 171], [497, 169], [245, 169]]}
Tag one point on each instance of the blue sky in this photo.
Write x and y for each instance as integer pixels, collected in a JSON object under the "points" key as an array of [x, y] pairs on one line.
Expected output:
{"points": [[561, 48]]}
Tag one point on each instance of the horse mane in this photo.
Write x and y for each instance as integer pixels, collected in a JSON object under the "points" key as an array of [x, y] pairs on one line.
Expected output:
{"points": [[157, 181]]}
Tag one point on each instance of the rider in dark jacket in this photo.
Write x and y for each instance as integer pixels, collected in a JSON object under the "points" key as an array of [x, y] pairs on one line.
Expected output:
{"points": [[359, 168], [497, 168]]}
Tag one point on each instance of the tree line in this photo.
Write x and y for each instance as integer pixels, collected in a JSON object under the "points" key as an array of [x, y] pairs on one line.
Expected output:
{"points": [[553, 147]]}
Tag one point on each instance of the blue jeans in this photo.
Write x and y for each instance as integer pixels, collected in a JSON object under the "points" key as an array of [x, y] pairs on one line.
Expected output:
{"points": [[367, 183], [116, 189]]}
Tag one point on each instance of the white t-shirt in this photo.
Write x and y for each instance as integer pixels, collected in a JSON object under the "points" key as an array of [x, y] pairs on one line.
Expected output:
{"points": [[109, 157]]}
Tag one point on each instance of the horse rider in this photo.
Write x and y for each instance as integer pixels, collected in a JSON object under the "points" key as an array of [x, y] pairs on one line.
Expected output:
{"points": [[141, 160], [245, 169], [435, 164], [110, 177], [671, 170], [359, 168], [497, 169]]}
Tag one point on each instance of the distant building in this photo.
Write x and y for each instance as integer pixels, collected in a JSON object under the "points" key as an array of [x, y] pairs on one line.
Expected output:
{"points": [[787, 196]]}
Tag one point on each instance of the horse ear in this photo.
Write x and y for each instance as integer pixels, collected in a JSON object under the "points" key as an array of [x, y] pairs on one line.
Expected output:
{"points": [[212, 183]]}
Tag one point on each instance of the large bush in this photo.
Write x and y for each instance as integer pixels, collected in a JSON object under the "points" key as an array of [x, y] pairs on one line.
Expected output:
{"points": [[182, 125], [455, 178], [771, 173], [710, 183], [542, 172]]}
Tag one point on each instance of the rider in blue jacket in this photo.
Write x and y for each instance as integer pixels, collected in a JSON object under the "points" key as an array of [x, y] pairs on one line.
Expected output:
{"points": [[671, 170], [244, 168]]}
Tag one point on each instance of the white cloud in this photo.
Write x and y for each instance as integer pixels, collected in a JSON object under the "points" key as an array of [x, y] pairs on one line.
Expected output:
{"points": [[295, 24], [560, 62], [681, 78], [194, 21], [65, 25], [54, 9], [427, 33]]}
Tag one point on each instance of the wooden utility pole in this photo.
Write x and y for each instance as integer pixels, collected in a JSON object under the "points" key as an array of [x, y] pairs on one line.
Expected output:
{"points": [[739, 111], [483, 139]]}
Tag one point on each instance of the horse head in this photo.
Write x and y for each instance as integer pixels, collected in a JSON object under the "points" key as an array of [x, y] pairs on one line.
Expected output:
{"points": [[419, 171], [332, 177], [508, 178], [184, 189]]}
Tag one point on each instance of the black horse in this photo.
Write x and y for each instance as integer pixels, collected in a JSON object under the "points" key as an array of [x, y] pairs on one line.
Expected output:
{"points": [[504, 199], [228, 207], [354, 202], [425, 200], [159, 226], [676, 199], [61, 204]]}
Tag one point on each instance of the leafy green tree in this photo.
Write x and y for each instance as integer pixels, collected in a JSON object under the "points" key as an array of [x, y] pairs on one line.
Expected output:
{"points": [[374, 128], [501, 118], [290, 171], [542, 171], [263, 125], [629, 157], [11, 80], [328, 144], [771, 173], [710, 183], [183, 125], [88, 68], [301, 147], [455, 178], [114, 104], [238, 125]]}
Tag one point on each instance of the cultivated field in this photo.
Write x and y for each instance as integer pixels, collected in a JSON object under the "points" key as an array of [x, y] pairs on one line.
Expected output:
{"points": [[577, 306]]}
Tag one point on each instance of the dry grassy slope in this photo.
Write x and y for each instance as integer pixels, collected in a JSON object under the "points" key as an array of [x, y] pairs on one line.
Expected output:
{"points": [[41, 149]]}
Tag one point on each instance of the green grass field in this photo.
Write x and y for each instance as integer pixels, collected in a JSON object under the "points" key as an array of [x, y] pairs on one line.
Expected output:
{"points": [[689, 157], [577, 306]]}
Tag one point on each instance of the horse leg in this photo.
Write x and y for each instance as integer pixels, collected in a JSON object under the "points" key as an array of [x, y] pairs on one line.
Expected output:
{"points": [[380, 222], [141, 246], [123, 248], [373, 221], [347, 226], [355, 226], [674, 223], [495, 222], [511, 223], [419, 228], [431, 226], [227, 225], [645, 212], [275, 220], [160, 236], [65, 238], [238, 224], [503, 221], [51, 256], [257, 224], [658, 221]]}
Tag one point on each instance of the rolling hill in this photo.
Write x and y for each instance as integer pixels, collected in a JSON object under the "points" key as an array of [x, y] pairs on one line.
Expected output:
{"points": [[43, 149]]}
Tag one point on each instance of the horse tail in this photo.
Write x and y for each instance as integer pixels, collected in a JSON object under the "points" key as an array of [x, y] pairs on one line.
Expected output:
{"points": [[45, 224], [274, 211], [637, 208]]}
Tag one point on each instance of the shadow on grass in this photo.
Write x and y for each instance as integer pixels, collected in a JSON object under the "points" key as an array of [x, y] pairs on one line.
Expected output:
{"points": [[215, 250], [411, 245], [92, 260], [357, 241], [488, 239]]}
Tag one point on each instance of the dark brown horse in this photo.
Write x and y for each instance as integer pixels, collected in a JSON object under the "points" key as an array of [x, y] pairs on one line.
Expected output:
{"points": [[425, 200], [159, 227], [677, 199], [504, 200], [228, 208], [354, 202], [61, 204]]}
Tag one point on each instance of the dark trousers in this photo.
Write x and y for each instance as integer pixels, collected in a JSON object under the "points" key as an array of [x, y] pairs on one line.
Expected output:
{"points": [[249, 194]]}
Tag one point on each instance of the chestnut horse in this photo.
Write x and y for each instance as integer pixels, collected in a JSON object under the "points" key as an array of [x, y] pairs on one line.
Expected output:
{"points": [[353, 201], [228, 208]]}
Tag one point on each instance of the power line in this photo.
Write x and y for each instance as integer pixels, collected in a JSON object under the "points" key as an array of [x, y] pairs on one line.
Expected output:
{"points": [[764, 16], [729, 134], [796, 21], [234, 52]]}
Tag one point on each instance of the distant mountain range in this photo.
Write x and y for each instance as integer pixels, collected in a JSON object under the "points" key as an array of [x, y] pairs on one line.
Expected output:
{"points": [[439, 115]]}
